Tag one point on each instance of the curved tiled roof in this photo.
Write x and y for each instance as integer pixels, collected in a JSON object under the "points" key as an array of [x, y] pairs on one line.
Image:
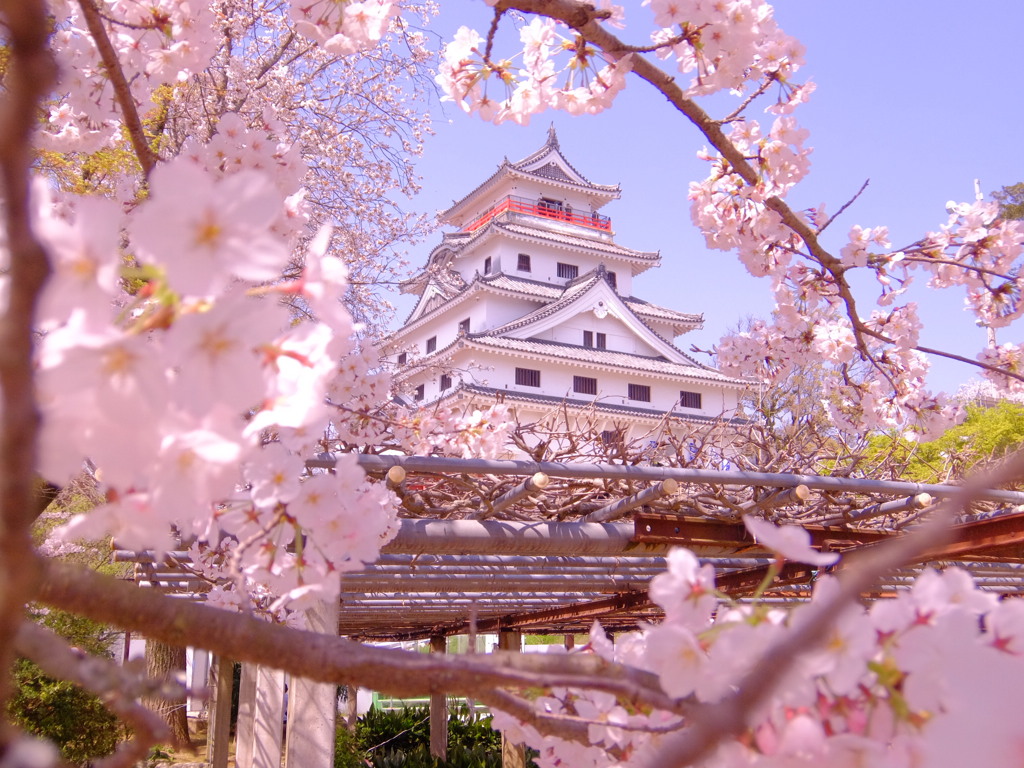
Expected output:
{"points": [[550, 291], [557, 175], [645, 308], [534, 288], [552, 147], [448, 282], [581, 284], [606, 247]]}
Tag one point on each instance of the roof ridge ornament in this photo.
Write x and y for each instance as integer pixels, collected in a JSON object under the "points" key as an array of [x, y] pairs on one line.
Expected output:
{"points": [[552, 137]]}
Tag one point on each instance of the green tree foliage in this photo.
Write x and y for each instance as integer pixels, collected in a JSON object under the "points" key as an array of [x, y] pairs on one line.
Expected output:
{"points": [[76, 721], [1011, 201], [986, 434]]}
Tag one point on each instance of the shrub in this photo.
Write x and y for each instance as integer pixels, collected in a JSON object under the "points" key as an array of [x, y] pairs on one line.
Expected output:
{"points": [[384, 739], [76, 721]]}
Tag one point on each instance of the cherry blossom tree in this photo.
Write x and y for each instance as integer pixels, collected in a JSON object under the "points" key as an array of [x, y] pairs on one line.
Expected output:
{"points": [[195, 396]]}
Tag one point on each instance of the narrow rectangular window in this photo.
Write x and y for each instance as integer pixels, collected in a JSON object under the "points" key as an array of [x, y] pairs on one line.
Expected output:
{"points": [[446, 382], [420, 390], [588, 339], [464, 326], [431, 344], [611, 436], [527, 377], [584, 385], [568, 271], [640, 392], [689, 399], [613, 280], [487, 265], [403, 358], [602, 341], [524, 262]]}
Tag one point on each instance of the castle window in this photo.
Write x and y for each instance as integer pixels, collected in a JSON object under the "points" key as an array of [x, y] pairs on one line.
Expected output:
{"points": [[403, 358], [689, 399], [446, 382], [568, 271], [431, 344], [527, 377], [611, 436], [613, 280], [640, 392], [602, 341], [588, 339], [584, 385], [420, 392], [464, 326], [524, 262], [487, 265]]}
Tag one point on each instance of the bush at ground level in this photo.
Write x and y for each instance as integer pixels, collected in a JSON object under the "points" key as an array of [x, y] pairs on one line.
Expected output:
{"points": [[402, 738], [76, 721]]}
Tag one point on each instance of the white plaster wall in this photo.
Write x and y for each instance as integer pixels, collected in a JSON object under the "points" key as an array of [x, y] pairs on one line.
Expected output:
{"points": [[504, 253], [612, 387]]}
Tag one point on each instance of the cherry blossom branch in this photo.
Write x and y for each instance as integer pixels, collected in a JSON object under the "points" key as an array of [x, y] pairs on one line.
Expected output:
{"points": [[122, 90], [584, 19], [844, 206], [729, 717], [325, 658], [29, 77], [117, 689], [759, 91], [959, 264]]}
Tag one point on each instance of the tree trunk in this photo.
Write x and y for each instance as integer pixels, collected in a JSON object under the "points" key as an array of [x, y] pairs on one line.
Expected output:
{"points": [[165, 662]]}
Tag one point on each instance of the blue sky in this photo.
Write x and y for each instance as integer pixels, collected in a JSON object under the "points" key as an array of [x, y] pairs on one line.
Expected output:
{"points": [[920, 98]]}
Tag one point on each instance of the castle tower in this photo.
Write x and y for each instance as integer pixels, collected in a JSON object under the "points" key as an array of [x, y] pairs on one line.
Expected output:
{"points": [[531, 300]]}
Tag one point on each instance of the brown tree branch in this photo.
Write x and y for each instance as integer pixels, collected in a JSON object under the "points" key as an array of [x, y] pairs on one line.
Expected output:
{"points": [[329, 659], [31, 74], [122, 91], [713, 723], [585, 19]]}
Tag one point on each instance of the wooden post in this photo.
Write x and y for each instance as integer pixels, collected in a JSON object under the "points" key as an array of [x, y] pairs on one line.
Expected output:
{"points": [[512, 755], [219, 730], [439, 709]]}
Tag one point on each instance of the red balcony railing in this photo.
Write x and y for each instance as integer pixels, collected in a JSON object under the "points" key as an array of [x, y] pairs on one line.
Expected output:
{"points": [[543, 208]]}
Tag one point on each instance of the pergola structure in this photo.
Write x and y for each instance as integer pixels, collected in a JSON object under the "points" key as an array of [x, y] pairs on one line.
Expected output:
{"points": [[497, 565]]}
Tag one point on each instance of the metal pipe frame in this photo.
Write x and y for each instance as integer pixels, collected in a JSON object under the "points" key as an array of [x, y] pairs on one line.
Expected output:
{"points": [[917, 501], [531, 486], [617, 509], [442, 465]]}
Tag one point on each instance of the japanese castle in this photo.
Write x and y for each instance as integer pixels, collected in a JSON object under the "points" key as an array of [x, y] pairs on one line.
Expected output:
{"points": [[531, 301]]}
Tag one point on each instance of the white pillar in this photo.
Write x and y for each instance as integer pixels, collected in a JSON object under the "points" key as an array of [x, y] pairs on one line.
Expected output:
{"points": [[439, 709], [268, 723], [246, 714], [512, 755], [313, 707], [198, 671], [219, 729]]}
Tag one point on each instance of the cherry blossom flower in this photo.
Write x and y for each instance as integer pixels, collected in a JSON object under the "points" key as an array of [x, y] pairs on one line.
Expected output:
{"points": [[790, 542]]}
